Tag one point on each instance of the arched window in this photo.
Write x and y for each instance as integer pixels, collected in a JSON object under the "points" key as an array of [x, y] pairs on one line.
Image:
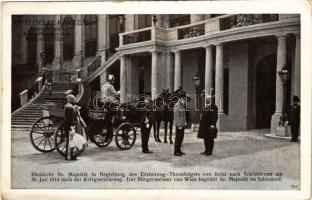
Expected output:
{"points": [[179, 20], [68, 27], [31, 48], [90, 22], [49, 42], [144, 21]]}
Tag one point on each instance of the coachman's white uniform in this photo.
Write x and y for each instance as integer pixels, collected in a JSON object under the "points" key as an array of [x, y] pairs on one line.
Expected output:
{"points": [[108, 92]]}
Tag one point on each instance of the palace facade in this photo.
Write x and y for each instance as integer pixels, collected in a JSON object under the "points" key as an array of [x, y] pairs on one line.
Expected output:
{"points": [[238, 55]]}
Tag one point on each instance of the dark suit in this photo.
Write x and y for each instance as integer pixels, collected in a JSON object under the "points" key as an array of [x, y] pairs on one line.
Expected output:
{"points": [[208, 119], [146, 125], [294, 120]]}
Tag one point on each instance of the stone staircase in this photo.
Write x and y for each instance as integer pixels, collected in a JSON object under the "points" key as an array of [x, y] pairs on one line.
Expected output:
{"points": [[23, 118]]}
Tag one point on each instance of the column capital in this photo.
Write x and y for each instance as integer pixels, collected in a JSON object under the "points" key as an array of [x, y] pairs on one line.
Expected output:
{"points": [[281, 36], [175, 51], [218, 44], [297, 35], [207, 46], [154, 51]]}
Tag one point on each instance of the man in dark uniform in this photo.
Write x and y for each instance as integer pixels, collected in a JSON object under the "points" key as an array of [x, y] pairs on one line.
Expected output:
{"points": [[294, 119], [146, 124], [180, 123], [207, 126]]}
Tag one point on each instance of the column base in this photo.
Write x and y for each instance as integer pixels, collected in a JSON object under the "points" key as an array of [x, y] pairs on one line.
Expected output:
{"points": [[78, 61], [221, 118], [56, 64], [275, 122], [39, 66], [283, 131], [102, 53]]}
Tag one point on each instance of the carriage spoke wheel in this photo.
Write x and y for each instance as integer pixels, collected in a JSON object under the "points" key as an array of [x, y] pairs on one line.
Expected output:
{"points": [[42, 134], [101, 137], [125, 136], [61, 141]]}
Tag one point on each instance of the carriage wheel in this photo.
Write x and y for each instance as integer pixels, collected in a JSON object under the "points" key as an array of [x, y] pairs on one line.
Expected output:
{"points": [[42, 132], [125, 136], [61, 140], [99, 137]]}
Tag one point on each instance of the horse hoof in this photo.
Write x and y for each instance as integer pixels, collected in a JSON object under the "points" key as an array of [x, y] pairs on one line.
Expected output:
{"points": [[171, 142], [159, 140], [165, 141]]}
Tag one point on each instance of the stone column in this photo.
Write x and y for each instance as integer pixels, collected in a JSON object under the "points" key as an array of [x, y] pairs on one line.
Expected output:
{"points": [[169, 72], [40, 48], [103, 78], [78, 55], [154, 74], [130, 23], [219, 77], [58, 48], [196, 18], [208, 71], [123, 79], [177, 70], [160, 21], [296, 69], [102, 32], [207, 16], [281, 62]]}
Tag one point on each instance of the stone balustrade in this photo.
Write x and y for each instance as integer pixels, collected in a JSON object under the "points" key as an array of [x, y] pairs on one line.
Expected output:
{"points": [[208, 27], [141, 35], [24, 97]]}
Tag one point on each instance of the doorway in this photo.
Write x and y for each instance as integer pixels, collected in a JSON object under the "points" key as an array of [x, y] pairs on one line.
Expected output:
{"points": [[31, 49], [265, 91]]}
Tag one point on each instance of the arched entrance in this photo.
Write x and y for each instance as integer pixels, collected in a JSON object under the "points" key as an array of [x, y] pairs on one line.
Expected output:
{"points": [[49, 42], [91, 36], [31, 49], [266, 90], [68, 27]]}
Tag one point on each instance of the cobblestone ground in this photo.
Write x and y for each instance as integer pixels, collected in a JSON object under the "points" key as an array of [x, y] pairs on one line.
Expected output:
{"points": [[239, 152]]}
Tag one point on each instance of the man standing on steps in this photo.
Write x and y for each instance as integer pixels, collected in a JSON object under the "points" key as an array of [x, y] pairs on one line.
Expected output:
{"points": [[109, 95]]}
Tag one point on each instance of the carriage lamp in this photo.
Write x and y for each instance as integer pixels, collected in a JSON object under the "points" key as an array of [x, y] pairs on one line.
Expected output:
{"points": [[196, 81], [284, 75], [155, 19]]}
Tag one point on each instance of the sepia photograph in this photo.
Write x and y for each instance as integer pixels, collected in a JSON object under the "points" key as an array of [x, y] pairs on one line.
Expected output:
{"points": [[157, 101]]}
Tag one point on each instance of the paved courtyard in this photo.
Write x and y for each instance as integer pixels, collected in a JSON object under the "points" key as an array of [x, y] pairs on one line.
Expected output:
{"points": [[246, 154]]}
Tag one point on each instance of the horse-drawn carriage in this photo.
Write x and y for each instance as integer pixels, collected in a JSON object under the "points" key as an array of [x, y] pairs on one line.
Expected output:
{"points": [[48, 132]]}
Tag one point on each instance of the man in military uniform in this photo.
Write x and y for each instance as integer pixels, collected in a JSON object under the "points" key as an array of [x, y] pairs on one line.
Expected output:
{"points": [[180, 123], [294, 119], [109, 95]]}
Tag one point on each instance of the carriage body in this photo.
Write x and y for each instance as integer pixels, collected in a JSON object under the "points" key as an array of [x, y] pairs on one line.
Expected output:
{"points": [[48, 132]]}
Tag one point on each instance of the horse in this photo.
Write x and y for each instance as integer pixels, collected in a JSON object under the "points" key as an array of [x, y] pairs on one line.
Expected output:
{"points": [[163, 111]]}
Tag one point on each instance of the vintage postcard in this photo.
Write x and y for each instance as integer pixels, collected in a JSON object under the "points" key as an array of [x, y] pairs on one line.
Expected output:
{"points": [[154, 99]]}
